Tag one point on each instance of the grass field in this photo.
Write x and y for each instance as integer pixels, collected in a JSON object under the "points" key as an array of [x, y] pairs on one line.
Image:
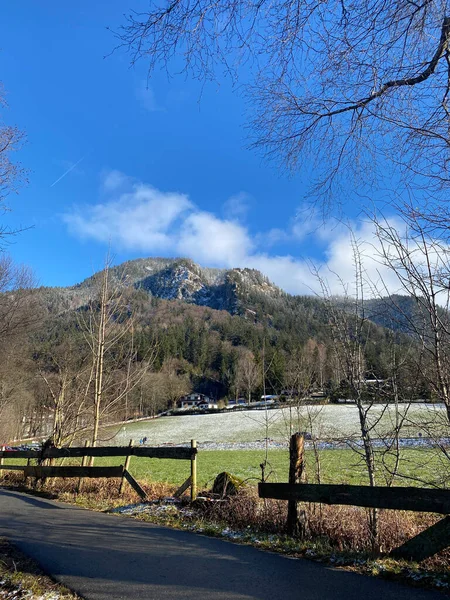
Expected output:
{"points": [[337, 466], [336, 421], [247, 427]]}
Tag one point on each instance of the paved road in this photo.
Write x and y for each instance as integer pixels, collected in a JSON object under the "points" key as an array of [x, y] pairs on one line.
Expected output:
{"points": [[107, 557]]}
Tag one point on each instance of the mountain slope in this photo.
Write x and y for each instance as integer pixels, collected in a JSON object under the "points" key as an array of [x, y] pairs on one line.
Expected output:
{"points": [[182, 279]]}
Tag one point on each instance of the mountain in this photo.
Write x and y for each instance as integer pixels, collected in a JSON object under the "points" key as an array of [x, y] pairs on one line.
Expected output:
{"points": [[210, 330], [182, 279], [168, 288], [175, 279], [240, 292]]}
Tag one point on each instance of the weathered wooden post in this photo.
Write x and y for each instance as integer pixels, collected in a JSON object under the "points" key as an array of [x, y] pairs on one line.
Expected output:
{"points": [[84, 462], [194, 470], [126, 468], [25, 478], [296, 475]]}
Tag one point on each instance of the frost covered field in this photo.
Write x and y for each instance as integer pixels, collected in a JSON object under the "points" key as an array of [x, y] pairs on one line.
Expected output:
{"points": [[246, 427]]}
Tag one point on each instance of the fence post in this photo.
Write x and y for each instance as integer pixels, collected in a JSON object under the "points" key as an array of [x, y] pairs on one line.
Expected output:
{"points": [[1, 462], [193, 471], [24, 476], [126, 467], [296, 471], [83, 464]]}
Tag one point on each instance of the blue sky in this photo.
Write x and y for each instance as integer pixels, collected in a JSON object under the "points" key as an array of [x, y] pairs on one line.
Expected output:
{"points": [[162, 171]]}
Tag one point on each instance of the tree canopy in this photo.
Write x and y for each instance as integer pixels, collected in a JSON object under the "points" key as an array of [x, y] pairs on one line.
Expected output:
{"points": [[345, 83]]}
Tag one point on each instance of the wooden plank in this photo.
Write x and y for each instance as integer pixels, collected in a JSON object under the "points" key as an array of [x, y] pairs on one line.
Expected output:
{"points": [[193, 470], [19, 454], [398, 498], [135, 485], [126, 468], [76, 471], [296, 468], [171, 452], [183, 487], [84, 463], [14, 467], [434, 539]]}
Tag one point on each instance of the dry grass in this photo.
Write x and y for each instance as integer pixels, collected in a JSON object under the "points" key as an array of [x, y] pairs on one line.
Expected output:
{"points": [[21, 578], [344, 528], [96, 494]]}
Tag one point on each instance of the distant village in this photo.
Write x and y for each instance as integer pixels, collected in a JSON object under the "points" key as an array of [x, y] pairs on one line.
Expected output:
{"points": [[201, 402]]}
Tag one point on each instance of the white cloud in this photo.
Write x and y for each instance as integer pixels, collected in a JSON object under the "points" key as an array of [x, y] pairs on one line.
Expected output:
{"points": [[142, 218], [136, 216], [147, 98], [292, 275], [237, 206], [113, 181], [214, 241]]}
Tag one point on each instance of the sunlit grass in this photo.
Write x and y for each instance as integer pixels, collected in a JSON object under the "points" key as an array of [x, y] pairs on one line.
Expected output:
{"points": [[336, 466]]}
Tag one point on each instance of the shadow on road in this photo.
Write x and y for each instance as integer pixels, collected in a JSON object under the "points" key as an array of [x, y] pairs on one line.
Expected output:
{"points": [[107, 557], [33, 500]]}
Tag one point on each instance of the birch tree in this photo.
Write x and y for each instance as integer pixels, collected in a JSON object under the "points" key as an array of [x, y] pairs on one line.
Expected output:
{"points": [[109, 326]]}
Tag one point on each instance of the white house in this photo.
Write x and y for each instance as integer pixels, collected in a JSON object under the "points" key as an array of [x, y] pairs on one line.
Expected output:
{"points": [[193, 401]]}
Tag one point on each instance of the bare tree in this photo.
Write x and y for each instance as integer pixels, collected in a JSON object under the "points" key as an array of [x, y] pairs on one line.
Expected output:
{"points": [[247, 374], [349, 331], [17, 400], [422, 266], [302, 415], [176, 381], [345, 82], [109, 326], [419, 255], [12, 175], [64, 368], [19, 314], [18, 305], [151, 394]]}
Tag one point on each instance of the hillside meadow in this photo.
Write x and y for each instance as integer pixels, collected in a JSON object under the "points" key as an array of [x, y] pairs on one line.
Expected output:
{"points": [[236, 442], [337, 422]]}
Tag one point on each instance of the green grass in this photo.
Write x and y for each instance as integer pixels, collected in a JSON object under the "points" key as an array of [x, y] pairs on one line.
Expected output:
{"points": [[337, 466]]}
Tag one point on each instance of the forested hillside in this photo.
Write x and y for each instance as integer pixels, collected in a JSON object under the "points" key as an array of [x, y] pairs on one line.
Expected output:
{"points": [[162, 328]]}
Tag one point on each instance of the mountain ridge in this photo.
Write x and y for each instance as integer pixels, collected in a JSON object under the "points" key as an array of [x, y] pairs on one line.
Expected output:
{"points": [[239, 291], [183, 279]]}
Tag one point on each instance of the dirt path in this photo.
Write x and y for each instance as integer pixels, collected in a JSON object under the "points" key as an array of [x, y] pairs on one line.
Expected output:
{"points": [[106, 557]]}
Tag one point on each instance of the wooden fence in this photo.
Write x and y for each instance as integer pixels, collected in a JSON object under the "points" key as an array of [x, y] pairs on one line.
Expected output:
{"points": [[426, 544], [40, 471]]}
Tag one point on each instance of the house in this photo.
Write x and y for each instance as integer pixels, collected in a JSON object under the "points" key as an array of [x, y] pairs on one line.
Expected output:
{"points": [[192, 401]]}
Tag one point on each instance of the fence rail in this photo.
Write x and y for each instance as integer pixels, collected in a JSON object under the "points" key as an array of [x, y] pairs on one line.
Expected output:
{"points": [[79, 452], [425, 544], [41, 471], [398, 498]]}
